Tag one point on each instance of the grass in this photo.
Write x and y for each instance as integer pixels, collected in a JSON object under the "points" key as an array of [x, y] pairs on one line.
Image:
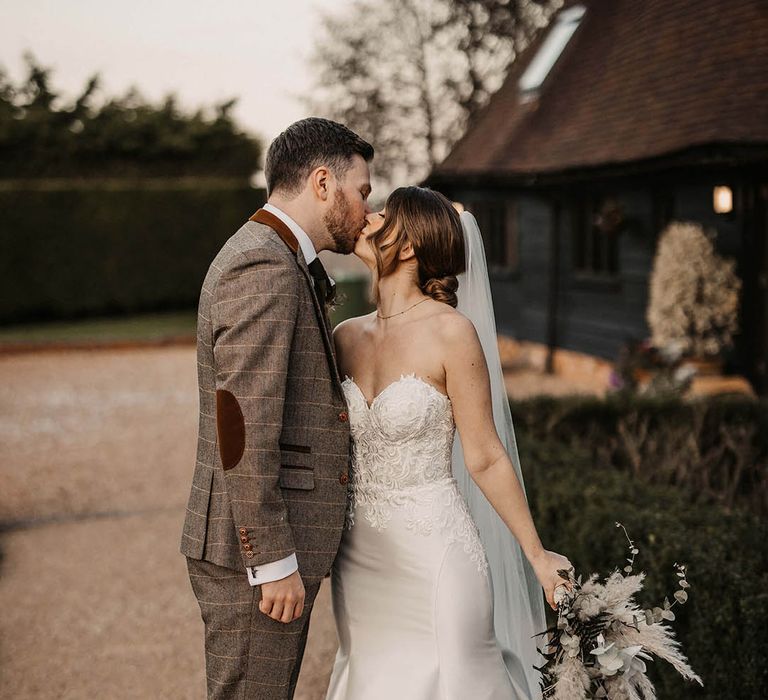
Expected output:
{"points": [[153, 327], [144, 327]]}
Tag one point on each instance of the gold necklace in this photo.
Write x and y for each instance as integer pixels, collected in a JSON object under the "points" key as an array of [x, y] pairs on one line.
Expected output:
{"points": [[404, 310]]}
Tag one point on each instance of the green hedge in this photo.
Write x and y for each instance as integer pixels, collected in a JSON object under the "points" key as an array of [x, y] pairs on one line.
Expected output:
{"points": [[576, 500], [716, 450], [78, 252], [352, 299]]}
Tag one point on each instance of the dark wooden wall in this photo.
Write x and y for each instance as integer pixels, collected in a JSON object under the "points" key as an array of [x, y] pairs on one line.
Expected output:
{"points": [[593, 316], [597, 314]]}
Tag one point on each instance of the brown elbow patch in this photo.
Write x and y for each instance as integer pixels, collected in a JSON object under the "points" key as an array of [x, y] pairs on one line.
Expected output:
{"points": [[230, 427]]}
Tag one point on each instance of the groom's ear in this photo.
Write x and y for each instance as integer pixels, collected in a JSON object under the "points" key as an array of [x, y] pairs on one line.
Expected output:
{"points": [[320, 182]]}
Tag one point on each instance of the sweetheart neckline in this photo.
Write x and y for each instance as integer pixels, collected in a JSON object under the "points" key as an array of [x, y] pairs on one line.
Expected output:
{"points": [[369, 406]]}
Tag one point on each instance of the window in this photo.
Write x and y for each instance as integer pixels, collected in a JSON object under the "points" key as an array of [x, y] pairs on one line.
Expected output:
{"points": [[596, 227], [559, 35], [498, 224]]}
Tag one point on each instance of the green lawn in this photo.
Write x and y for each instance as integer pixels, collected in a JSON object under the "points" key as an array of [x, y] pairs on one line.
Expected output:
{"points": [[144, 327], [352, 299]]}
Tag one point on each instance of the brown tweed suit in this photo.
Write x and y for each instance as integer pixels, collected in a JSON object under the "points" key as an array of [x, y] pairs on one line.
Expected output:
{"points": [[272, 456]]}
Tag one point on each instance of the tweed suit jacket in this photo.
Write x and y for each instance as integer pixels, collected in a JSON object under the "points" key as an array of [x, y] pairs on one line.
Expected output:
{"points": [[271, 473]]}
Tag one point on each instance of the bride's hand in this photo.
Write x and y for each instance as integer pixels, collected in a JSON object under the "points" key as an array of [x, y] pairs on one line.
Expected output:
{"points": [[546, 565]]}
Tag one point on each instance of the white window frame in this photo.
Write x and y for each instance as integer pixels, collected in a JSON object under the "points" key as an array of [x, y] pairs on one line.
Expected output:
{"points": [[565, 25]]}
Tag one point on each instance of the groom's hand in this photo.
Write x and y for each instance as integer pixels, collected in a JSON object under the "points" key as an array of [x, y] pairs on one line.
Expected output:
{"points": [[283, 600]]}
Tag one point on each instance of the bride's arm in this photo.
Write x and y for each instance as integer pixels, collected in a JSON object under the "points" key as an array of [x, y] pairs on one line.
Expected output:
{"points": [[469, 389]]}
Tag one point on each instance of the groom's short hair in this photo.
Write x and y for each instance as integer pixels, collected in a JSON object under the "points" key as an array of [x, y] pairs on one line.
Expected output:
{"points": [[307, 144]]}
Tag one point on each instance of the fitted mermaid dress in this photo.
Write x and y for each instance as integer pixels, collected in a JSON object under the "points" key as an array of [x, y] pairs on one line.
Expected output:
{"points": [[411, 590]]}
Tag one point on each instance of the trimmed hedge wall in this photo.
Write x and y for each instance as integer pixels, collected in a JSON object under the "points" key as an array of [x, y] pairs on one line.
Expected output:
{"points": [[78, 252], [576, 499], [716, 450]]}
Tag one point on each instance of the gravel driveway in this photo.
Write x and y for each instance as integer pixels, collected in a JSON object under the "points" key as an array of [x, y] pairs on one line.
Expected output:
{"points": [[96, 457]]}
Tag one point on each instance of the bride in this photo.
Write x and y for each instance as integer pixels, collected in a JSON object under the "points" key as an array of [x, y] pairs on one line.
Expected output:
{"points": [[437, 587]]}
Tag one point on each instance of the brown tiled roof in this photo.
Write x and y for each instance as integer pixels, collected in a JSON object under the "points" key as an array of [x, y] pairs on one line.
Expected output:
{"points": [[638, 79]]}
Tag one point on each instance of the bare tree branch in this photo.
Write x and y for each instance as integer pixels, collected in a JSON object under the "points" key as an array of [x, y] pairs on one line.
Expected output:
{"points": [[407, 74]]}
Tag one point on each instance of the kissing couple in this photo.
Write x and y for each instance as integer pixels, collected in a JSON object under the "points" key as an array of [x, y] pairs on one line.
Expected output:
{"points": [[334, 451]]}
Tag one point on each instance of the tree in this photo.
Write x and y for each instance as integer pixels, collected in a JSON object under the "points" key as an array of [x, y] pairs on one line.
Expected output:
{"points": [[43, 136], [408, 74]]}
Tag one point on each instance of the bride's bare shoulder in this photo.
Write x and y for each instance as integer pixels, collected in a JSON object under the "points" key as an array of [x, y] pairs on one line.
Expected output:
{"points": [[457, 341], [452, 326], [350, 329]]}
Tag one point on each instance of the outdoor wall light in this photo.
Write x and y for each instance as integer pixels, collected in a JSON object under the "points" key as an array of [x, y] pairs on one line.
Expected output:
{"points": [[722, 199]]}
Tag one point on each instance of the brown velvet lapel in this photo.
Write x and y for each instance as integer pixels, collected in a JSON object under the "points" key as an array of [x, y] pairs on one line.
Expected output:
{"points": [[269, 219]]}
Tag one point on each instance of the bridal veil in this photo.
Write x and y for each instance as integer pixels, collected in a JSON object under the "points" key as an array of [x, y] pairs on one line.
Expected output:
{"points": [[517, 595]]}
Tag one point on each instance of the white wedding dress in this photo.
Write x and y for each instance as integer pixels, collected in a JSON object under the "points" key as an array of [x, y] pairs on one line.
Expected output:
{"points": [[411, 592]]}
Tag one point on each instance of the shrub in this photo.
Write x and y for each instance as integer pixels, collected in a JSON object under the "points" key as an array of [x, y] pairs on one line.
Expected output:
{"points": [[79, 252], [694, 293], [715, 450], [575, 502]]}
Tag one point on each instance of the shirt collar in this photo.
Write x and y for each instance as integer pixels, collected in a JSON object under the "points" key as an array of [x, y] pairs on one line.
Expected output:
{"points": [[305, 242]]}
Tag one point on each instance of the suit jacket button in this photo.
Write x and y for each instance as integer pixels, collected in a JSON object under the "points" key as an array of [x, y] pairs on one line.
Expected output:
{"points": [[344, 478], [247, 547], [243, 531], [243, 539], [343, 416]]}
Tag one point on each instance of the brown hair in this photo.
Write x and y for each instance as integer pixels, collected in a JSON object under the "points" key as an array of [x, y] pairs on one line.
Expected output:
{"points": [[429, 221], [306, 145]]}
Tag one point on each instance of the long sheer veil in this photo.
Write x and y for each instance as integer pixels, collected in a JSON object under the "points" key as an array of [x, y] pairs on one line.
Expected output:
{"points": [[517, 595]]}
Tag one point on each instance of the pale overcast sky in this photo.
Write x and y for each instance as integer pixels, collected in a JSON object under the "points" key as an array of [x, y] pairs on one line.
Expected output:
{"points": [[204, 51]]}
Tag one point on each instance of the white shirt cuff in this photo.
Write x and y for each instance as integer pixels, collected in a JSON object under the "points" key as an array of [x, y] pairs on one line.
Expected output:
{"points": [[274, 571]]}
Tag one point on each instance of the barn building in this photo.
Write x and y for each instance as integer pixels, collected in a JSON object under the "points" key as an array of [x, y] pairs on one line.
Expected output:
{"points": [[619, 118]]}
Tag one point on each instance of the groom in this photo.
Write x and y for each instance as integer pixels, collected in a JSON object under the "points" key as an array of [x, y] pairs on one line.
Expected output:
{"points": [[268, 496]]}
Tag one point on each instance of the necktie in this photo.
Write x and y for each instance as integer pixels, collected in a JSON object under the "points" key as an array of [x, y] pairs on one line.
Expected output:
{"points": [[324, 288]]}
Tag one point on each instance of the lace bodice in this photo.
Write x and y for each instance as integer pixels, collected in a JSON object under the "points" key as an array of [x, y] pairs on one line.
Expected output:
{"points": [[401, 458], [404, 438]]}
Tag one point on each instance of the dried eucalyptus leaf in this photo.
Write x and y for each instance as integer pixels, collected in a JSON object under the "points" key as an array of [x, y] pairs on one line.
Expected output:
{"points": [[649, 617]]}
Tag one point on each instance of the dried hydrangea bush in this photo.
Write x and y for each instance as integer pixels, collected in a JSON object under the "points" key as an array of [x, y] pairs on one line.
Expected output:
{"points": [[694, 293]]}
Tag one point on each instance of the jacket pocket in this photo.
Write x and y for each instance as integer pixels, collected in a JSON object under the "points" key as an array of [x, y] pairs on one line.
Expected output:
{"points": [[297, 478], [295, 448], [297, 456]]}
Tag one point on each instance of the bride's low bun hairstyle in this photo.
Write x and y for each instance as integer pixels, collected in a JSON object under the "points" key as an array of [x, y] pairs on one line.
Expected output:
{"points": [[442, 289], [432, 225]]}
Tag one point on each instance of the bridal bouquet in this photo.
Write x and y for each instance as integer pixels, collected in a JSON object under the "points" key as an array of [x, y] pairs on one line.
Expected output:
{"points": [[602, 638]]}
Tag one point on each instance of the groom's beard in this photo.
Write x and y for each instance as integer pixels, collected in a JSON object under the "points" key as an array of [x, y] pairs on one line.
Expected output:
{"points": [[340, 226]]}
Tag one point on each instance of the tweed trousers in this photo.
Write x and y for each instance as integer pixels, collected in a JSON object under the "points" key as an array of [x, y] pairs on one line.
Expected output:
{"points": [[247, 653]]}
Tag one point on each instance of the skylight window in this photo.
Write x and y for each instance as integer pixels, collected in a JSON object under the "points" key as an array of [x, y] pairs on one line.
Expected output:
{"points": [[560, 34]]}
